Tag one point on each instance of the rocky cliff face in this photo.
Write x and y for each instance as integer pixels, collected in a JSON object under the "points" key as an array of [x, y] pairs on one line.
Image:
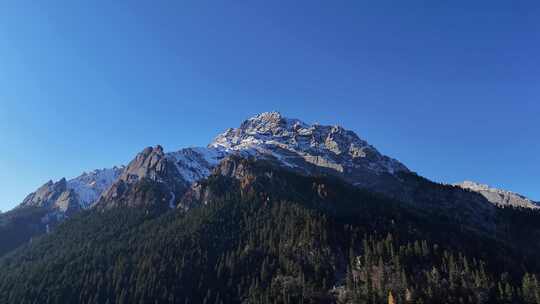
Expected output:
{"points": [[53, 202], [289, 143], [70, 196], [297, 145], [56, 197], [151, 179], [240, 175], [498, 196], [156, 178], [194, 164], [90, 185], [313, 150]]}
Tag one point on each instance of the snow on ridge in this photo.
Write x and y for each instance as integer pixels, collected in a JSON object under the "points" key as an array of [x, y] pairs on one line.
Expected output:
{"points": [[196, 162], [90, 185], [269, 135], [273, 134]]}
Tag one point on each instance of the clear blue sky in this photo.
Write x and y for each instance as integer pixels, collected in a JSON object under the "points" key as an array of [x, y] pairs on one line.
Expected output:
{"points": [[450, 88]]}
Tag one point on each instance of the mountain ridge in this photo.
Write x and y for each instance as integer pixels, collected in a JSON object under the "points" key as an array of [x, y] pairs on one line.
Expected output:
{"points": [[308, 149], [499, 196], [259, 233], [155, 178], [291, 142], [274, 209]]}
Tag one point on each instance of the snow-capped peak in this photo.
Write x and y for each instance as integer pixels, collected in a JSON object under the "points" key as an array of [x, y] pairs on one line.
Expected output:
{"points": [[289, 140], [196, 162], [90, 185], [310, 149]]}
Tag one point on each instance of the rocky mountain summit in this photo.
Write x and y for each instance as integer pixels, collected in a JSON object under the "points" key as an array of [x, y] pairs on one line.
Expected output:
{"points": [[54, 201], [295, 144], [55, 196], [155, 177], [90, 185], [70, 196], [289, 143], [498, 196]]}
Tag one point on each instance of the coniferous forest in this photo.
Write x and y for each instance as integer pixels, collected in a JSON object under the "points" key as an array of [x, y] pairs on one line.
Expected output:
{"points": [[263, 244]]}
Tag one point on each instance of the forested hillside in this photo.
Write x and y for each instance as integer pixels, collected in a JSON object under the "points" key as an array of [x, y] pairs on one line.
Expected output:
{"points": [[278, 237], [18, 226]]}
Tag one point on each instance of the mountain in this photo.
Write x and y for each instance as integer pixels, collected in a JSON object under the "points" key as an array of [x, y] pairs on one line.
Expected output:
{"points": [[498, 196], [306, 149], [156, 179], [274, 211], [68, 197], [296, 144], [54, 196], [159, 179], [52, 203], [90, 185], [257, 232]]}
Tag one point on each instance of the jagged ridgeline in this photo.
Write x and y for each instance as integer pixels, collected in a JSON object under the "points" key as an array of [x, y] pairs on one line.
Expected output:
{"points": [[276, 211]]}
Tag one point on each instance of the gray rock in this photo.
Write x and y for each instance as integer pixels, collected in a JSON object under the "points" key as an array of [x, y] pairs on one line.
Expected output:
{"points": [[150, 180], [498, 196]]}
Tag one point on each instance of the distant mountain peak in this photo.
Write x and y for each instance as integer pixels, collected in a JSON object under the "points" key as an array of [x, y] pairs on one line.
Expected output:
{"points": [[69, 196], [290, 140], [498, 196]]}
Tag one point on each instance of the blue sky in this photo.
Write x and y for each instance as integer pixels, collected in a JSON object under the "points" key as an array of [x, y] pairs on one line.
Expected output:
{"points": [[450, 88]]}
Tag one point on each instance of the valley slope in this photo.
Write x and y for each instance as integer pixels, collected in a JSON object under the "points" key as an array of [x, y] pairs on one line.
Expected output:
{"points": [[274, 211]]}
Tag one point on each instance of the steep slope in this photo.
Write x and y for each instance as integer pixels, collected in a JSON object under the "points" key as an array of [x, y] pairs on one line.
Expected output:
{"points": [[290, 143], [150, 179], [332, 150], [20, 225], [155, 179], [69, 196], [196, 163], [55, 197], [309, 148], [90, 185], [306, 149], [269, 235], [158, 179], [498, 196], [50, 204]]}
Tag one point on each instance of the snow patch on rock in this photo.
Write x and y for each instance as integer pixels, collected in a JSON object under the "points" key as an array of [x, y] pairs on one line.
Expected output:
{"points": [[90, 185], [288, 140]]}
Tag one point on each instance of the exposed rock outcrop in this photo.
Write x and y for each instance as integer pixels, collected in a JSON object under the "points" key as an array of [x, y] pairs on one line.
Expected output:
{"points": [[498, 196]]}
